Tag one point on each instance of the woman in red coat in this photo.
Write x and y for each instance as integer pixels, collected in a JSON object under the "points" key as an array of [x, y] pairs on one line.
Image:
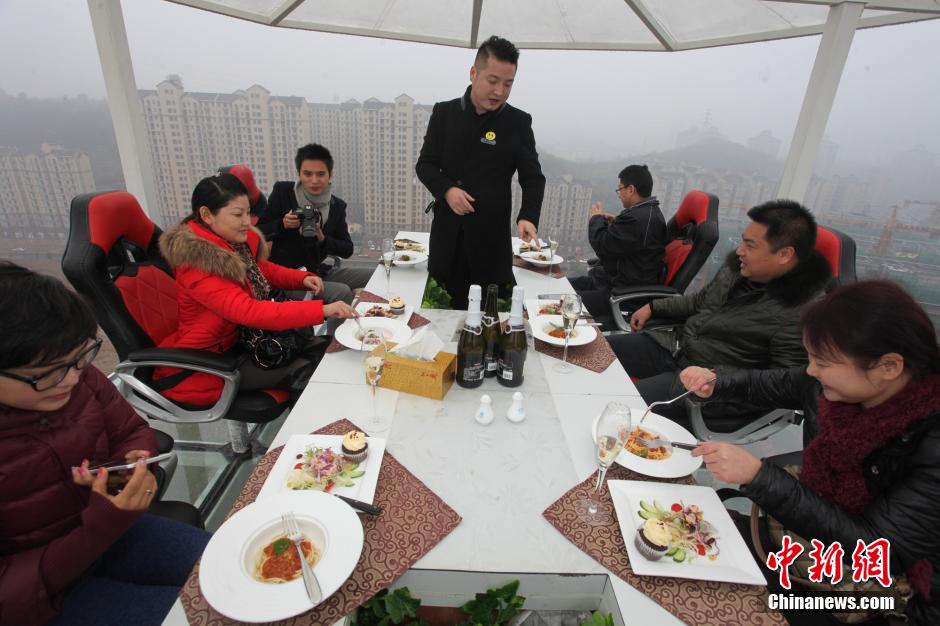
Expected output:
{"points": [[72, 549], [224, 283]]}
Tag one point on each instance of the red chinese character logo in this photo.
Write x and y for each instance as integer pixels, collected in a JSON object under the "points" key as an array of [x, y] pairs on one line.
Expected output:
{"points": [[781, 560], [826, 562], [871, 561]]}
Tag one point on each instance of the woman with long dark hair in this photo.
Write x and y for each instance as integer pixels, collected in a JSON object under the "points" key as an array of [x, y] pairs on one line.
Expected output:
{"points": [[871, 469], [225, 281]]}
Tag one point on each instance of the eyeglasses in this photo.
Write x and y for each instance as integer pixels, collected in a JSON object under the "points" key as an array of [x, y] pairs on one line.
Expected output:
{"points": [[620, 188], [48, 380]]}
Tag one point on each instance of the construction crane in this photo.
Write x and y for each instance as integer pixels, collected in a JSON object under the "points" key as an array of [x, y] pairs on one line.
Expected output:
{"points": [[887, 233]]}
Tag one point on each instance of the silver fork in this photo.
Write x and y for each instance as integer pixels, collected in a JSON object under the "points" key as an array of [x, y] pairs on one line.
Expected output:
{"points": [[662, 402], [310, 579]]}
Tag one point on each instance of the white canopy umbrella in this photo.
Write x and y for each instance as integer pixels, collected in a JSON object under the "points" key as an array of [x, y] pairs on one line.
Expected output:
{"points": [[647, 25]]}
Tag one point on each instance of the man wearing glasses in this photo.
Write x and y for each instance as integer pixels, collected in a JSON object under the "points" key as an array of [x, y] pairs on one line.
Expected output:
{"points": [[473, 146], [630, 247]]}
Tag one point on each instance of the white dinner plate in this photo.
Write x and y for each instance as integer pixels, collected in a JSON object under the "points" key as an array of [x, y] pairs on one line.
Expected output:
{"points": [[580, 335], [225, 572], [394, 330], [364, 487], [517, 244], [679, 463], [535, 258], [413, 258], [405, 317], [734, 563]]}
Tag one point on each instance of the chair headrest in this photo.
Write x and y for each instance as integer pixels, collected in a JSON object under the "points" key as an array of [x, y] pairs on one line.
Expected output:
{"points": [[693, 210], [117, 214], [830, 246], [243, 173]]}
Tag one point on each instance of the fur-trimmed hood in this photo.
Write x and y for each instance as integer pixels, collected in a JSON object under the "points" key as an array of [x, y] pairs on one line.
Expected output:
{"points": [[799, 285], [192, 245]]}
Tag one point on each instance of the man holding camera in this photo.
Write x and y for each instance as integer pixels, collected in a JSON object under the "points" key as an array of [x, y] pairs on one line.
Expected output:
{"points": [[305, 223]]}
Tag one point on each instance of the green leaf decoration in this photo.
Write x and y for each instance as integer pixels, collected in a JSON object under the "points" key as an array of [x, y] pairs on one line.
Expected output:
{"points": [[599, 619], [281, 545]]}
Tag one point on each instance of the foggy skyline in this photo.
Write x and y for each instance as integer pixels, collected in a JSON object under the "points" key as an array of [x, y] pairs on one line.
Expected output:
{"points": [[636, 101]]}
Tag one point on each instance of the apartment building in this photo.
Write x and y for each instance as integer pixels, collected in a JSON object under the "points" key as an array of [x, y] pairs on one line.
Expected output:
{"points": [[37, 190], [374, 145]]}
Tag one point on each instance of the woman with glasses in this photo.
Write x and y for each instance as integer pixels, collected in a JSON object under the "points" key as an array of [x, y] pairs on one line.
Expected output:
{"points": [[76, 545]]}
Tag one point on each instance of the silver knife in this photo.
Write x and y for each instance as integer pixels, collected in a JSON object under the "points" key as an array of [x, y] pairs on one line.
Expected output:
{"points": [[552, 296], [365, 507]]}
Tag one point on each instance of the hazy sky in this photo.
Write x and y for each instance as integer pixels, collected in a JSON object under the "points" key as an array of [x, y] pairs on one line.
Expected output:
{"points": [[620, 102]]}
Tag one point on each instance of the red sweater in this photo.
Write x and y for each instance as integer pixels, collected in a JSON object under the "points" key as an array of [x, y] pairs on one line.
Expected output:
{"points": [[215, 299], [52, 530]]}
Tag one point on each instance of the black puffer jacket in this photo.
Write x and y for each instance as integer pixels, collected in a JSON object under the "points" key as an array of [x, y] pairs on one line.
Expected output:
{"points": [[903, 478], [755, 330]]}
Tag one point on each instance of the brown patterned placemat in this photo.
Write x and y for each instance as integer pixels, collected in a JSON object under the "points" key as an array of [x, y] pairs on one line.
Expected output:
{"points": [[595, 356], [699, 602], [557, 272], [414, 520], [417, 320]]}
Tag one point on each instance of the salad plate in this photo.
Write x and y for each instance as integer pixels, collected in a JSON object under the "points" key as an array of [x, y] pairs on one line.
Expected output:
{"points": [[710, 549], [541, 258], [364, 307], [227, 571], [311, 452], [543, 324], [394, 330], [518, 247], [407, 258], [679, 463]]}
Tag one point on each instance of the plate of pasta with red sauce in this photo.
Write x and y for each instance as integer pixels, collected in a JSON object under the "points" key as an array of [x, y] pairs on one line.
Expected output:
{"points": [[251, 570]]}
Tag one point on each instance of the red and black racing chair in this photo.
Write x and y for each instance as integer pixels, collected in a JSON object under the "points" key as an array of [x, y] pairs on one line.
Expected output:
{"points": [[691, 234], [112, 258], [839, 250], [257, 201]]}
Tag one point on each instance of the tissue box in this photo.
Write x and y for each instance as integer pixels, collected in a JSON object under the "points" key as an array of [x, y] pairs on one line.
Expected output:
{"points": [[430, 379]]}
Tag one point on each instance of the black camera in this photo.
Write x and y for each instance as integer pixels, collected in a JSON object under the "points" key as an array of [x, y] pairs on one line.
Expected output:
{"points": [[310, 218]]}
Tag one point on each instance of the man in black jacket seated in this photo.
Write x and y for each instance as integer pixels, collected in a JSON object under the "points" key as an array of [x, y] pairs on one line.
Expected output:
{"points": [[746, 317], [473, 146], [630, 246], [305, 223]]}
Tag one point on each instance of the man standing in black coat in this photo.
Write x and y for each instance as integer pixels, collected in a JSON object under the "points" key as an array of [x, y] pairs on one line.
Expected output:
{"points": [[472, 148], [305, 223], [630, 247]]}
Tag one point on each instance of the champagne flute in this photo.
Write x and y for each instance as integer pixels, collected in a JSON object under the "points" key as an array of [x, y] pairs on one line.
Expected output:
{"points": [[570, 313], [552, 247], [613, 428], [388, 255], [374, 348]]}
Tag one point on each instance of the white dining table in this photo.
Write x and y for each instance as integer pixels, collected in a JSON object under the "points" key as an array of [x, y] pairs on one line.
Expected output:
{"points": [[499, 477]]}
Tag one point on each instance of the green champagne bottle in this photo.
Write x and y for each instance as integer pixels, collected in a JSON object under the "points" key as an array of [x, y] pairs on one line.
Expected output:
{"points": [[491, 332], [512, 345], [471, 346]]}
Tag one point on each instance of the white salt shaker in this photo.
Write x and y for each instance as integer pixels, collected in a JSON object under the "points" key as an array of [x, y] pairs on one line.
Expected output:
{"points": [[484, 414], [516, 412]]}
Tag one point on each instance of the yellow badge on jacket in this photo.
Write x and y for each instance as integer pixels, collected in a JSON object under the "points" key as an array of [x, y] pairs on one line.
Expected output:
{"points": [[489, 138]]}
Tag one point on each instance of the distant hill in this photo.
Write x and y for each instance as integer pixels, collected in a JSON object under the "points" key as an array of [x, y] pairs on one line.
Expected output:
{"points": [[712, 154], [74, 123]]}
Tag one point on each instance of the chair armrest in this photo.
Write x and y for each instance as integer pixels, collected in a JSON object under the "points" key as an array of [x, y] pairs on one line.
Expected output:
{"points": [[150, 402], [336, 262], [648, 291], [634, 298], [186, 356]]}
